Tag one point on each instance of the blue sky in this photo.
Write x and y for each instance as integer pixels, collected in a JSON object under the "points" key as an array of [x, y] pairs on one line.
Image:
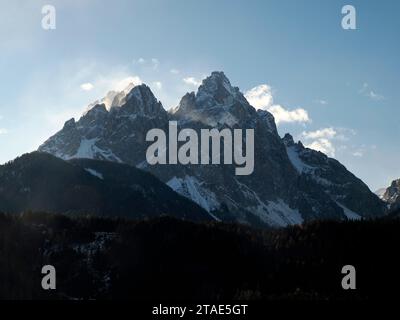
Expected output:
{"points": [[334, 89]]}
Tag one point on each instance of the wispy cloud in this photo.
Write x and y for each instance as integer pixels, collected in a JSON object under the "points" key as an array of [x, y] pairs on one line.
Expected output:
{"points": [[368, 92], [3, 131], [358, 154], [319, 134], [326, 140], [324, 146], [139, 61], [375, 96], [283, 115], [87, 86], [192, 81], [174, 71], [155, 62], [261, 97], [117, 82], [321, 102], [158, 85], [320, 140]]}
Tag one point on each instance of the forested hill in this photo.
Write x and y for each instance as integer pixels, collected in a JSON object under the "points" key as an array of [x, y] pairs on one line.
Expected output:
{"points": [[165, 258]]}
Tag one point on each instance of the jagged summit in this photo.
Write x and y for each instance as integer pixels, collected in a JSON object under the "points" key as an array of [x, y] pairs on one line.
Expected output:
{"points": [[218, 86], [140, 94], [290, 183], [216, 103], [391, 195], [216, 89], [141, 100], [288, 140], [133, 107]]}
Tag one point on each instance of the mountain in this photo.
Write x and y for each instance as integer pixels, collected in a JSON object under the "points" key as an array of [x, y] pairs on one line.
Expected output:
{"points": [[290, 183], [391, 195], [42, 182], [380, 192], [349, 192]]}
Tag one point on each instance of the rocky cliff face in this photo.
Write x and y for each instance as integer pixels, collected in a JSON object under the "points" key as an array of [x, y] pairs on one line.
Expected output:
{"points": [[290, 184], [391, 195]]}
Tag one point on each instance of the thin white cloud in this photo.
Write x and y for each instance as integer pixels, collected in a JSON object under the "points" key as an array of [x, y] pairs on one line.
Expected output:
{"points": [[3, 131], [87, 86], [327, 133], [358, 154], [375, 96], [321, 102], [174, 71], [283, 115], [107, 86], [325, 139], [368, 92], [321, 140], [260, 97], [155, 63], [192, 81], [158, 85], [323, 145], [122, 84], [116, 82]]}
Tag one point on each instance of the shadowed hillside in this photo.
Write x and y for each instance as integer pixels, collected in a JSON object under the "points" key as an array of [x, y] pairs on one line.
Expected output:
{"points": [[42, 182]]}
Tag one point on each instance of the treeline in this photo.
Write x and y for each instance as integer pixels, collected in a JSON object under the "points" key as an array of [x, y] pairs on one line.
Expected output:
{"points": [[168, 259]]}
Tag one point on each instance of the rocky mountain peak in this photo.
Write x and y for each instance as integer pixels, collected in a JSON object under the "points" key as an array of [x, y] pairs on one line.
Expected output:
{"points": [[288, 140], [140, 100], [70, 123], [113, 99], [291, 183], [392, 195], [187, 103], [217, 103], [269, 120], [216, 88], [98, 108]]}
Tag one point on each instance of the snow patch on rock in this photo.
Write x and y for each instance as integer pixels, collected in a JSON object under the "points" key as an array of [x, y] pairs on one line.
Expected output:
{"points": [[351, 215], [95, 173], [190, 187], [296, 161]]}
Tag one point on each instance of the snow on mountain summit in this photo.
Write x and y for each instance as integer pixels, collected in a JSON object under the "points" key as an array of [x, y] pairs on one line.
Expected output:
{"points": [[216, 103], [115, 98], [290, 183]]}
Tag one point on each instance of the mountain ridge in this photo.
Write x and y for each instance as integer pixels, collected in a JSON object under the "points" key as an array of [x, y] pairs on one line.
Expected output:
{"points": [[290, 184], [44, 183], [391, 195]]}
